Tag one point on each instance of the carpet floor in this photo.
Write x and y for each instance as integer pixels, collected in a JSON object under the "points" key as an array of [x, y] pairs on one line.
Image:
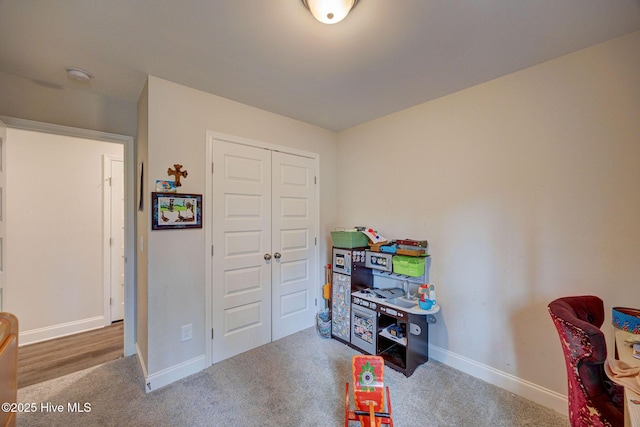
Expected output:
{"points": [[296, 381]]}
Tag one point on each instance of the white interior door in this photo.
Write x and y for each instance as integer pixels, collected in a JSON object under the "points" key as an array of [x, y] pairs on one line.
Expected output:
{"points": [[116, 250], [293, 231], [241, 278], [3, 226]]}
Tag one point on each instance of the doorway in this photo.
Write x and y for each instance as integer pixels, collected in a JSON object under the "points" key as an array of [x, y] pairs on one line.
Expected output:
{"points": [[262, 274], [51, 210]]}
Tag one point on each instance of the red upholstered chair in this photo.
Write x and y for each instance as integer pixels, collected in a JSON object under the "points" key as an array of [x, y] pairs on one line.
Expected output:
{"points": [[593, 399]]}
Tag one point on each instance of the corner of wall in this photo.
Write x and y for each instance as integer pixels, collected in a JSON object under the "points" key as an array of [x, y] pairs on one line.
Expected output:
{"points": [[142, 226]]}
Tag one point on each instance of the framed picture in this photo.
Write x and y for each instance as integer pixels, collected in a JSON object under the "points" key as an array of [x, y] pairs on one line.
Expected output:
{"points": [[166, 186], [175, 210]]}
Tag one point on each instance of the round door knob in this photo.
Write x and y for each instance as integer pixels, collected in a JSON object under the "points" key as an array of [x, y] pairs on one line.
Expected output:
{"points": [[277, 255], [267, 256]]}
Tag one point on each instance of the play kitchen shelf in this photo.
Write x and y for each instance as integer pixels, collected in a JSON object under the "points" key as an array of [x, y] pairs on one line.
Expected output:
{"points": [[399, 267], [401, 334], [388, 334]]}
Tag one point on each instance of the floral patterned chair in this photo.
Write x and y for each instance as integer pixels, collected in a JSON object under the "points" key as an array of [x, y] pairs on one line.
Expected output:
{"points": [[368, 393], [594, 400]]}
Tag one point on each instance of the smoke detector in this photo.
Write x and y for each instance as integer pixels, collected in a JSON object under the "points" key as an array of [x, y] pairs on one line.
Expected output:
{"points": [[78, 74]]}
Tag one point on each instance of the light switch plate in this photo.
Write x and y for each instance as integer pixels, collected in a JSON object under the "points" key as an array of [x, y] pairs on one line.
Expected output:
{"points": [[187, 332]]}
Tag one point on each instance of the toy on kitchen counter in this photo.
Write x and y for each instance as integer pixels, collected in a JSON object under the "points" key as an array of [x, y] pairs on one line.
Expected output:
{"points": [[373, 236], [375, 240], [427, 296], [411, 247], [389, 248]]}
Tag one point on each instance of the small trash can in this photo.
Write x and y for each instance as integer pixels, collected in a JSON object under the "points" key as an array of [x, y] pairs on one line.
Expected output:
{"points": [[324, 323]]}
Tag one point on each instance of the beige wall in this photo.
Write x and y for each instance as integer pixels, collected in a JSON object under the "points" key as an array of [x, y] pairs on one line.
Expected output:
{"points": [[55, 212], [527, 188], [178, 119], [27, 99]]}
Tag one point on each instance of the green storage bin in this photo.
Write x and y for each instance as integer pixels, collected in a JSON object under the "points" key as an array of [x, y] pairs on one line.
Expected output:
{"points": [[349, 239], [408, 265]]}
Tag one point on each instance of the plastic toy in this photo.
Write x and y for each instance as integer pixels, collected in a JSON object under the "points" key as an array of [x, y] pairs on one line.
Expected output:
{"points": [[368, 393]]}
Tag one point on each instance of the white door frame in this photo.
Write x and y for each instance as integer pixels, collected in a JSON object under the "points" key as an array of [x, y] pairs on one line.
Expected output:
{"points": [[129, 202], [208, 221]]}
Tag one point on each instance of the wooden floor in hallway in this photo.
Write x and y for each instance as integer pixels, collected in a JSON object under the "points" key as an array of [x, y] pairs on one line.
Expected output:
{"points": [[57, 357]]}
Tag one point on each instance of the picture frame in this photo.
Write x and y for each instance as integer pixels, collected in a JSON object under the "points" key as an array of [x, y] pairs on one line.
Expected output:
{"points": [[163, 186], [175, 211]]}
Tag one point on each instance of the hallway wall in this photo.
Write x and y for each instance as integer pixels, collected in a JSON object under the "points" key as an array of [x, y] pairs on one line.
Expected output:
{"points": [[55, 233]]}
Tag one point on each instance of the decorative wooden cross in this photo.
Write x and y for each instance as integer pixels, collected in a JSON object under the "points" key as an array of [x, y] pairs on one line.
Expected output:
{"points": [[177, 173]]}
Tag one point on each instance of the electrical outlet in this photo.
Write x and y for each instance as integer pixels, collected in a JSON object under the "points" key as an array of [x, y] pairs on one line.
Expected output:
{"points": [[187, 332]]}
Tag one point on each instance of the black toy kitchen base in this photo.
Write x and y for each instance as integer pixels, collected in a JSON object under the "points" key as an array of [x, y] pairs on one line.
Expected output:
{"points": [[375, 310], [401, 338]]}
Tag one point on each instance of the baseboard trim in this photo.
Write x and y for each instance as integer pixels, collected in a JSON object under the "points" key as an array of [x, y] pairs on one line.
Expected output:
{"points": [[33, 336], [143, 366], [174, 373], [528, 390]]}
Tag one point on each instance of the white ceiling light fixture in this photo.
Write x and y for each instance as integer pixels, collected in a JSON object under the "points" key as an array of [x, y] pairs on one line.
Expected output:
{"points": [[78, 74], [330, 11]]}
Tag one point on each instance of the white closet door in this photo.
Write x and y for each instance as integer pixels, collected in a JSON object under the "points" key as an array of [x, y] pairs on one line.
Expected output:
{"points": [[294, 249], [241, 276]]}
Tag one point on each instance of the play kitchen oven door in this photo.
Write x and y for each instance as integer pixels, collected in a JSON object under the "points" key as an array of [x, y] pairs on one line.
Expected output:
{"points": [[364, 325]]}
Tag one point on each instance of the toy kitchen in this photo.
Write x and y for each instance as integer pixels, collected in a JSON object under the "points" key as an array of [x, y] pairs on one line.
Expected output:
{"points": [[381, 299]]}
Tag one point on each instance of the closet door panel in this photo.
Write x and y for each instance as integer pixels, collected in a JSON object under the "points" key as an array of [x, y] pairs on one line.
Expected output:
{"points": [[241, 307], [294, 272]]}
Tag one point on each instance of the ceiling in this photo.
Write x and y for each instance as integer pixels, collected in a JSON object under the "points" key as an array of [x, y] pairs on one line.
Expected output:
{"points": [[386, 55]]}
